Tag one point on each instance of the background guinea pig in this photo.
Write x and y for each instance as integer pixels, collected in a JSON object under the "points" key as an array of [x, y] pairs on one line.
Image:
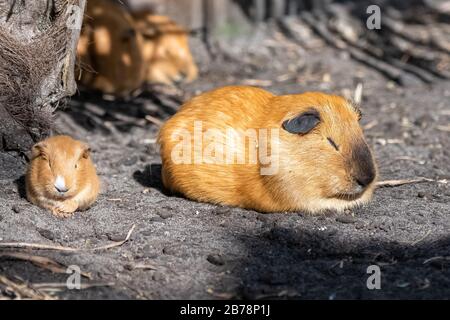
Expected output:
{"points": [[61, 176], [165, 50], [110, 50], [318, 153]]}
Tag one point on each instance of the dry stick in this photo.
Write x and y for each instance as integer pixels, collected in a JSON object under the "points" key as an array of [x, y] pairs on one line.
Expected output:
{"points": [[22, 290], [43, 262], [395, 183], [421, 239], [436, 258], [154, 120], [62, 248], [319, 26], [370, 51], [257, 82], [49, 286]]}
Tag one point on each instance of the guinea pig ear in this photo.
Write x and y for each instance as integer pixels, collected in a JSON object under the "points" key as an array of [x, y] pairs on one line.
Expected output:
{"points": [[86, 152], [303, 123], [37, 150]]}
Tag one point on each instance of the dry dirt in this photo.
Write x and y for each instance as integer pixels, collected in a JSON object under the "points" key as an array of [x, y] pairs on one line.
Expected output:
{"points": [[201, 251]]}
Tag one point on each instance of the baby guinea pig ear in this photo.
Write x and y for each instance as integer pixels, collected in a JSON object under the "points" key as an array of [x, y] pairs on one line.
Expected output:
{"points": [[37, 150], [303, 123], [86, 151]]}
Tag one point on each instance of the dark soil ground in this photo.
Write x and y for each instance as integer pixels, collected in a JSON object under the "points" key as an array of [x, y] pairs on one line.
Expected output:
{"points": [[201, 251]]}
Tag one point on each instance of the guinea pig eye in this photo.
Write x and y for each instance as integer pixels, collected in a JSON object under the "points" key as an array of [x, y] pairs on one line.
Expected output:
{"points": [[302, 123], [331, 141], [76, 166]]}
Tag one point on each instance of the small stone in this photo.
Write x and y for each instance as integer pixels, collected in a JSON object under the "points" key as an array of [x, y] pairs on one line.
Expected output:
{"points": [[147, 232], [424, 195], [262, 217], [133, 144], [359, 226], [149, 252], [169, 251], [128, 161], [16, 208], [215, 259], [47, 234], [156, 219], [222, 210], [129, 267], [164, 214], [158, 276], [346, 219], [116, 237]]}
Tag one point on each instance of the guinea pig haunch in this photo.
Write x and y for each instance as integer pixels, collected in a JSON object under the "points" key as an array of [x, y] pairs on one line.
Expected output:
{"points": [[61, 176], [313, 141]]}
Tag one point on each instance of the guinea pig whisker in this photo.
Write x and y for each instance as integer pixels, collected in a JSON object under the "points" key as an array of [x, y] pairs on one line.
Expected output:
{"points": [[349, 196]]}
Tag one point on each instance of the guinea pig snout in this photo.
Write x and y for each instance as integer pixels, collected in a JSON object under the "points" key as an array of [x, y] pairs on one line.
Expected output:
{"points": [[60, 184], [362, 166]]}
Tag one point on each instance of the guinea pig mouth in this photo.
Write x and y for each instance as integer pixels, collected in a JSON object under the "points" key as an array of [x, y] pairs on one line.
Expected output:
{"points": [[62, 195]]}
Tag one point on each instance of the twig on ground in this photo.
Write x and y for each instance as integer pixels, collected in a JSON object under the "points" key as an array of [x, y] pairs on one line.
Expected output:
{"points": [[435, 259], [142, 266], [257, 82], [421, 239], [43, 262], [370, 125], [55, 286], [154, 120], [62, 248], [406, 158], [444, 128], [23, 290], [400, 182]]}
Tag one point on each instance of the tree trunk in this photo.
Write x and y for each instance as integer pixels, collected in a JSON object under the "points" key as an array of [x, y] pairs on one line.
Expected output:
{"points": [[37, 54]]}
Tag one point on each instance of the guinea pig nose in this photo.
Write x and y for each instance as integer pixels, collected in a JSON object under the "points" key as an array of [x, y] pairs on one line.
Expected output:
{"points": [[60, 184], [363, 167], [365, 180], [61, 190]]}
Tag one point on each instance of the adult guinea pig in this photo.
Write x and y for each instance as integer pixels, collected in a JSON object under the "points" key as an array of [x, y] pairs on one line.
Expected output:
{"points": [[245, 147], [109, 50], [61, 176], [165, 49]]}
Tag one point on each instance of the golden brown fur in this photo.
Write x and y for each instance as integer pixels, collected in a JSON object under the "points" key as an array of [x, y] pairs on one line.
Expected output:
{"points": [[311, 174], [165, 49], [63, 159], [110, 50]]}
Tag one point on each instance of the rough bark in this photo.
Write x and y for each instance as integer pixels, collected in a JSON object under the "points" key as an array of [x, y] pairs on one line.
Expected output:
{"points": [[37, 54]]}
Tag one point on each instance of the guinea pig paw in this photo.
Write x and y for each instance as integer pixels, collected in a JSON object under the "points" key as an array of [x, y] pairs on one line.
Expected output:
{"points": [[65, 209]]}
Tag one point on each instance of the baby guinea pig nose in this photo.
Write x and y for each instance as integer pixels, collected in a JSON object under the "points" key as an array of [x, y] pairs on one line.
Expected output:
{"points": [[60, 184]]}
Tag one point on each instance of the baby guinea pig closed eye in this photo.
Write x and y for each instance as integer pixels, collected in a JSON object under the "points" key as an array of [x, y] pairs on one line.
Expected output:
{"points": [[302, 152], [61, 176]]}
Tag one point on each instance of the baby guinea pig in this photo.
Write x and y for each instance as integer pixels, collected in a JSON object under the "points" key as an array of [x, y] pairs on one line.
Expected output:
{"points": [[245, 147], [61, 176]]}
